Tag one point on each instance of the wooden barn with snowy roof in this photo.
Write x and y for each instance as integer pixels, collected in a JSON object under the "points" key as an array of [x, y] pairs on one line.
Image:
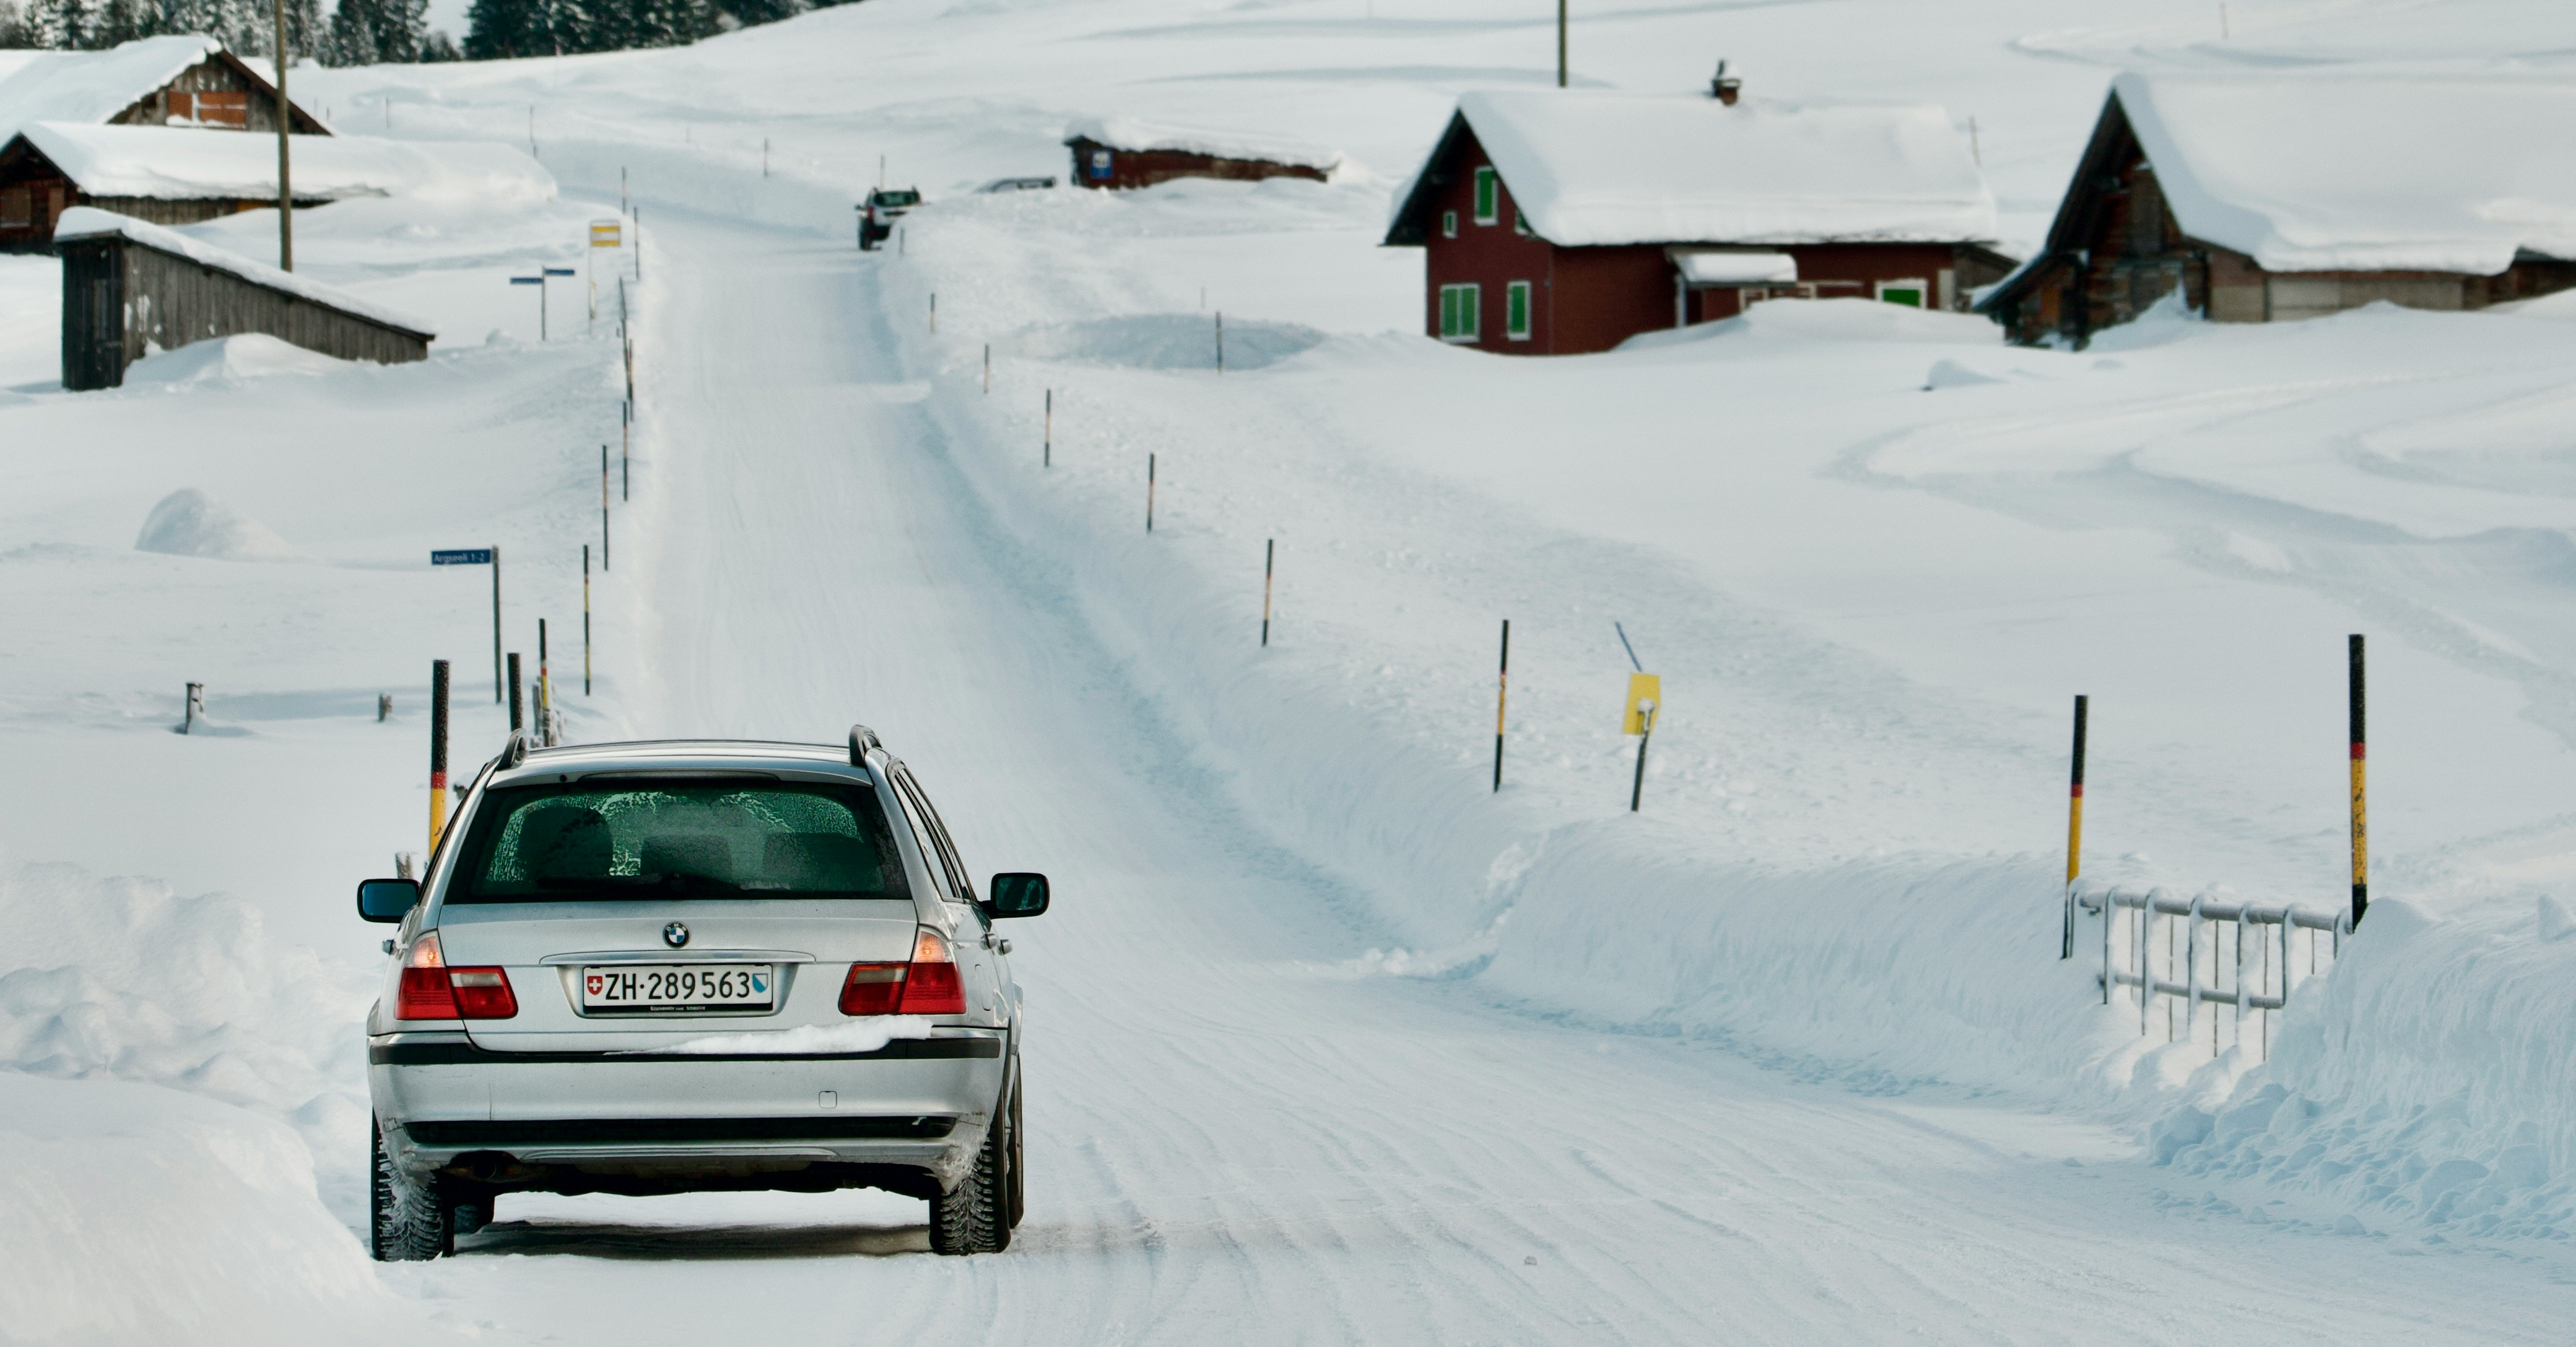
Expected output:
{"points": [[1568, 220], [2270, 197], [1117, 152], [175, 82]]}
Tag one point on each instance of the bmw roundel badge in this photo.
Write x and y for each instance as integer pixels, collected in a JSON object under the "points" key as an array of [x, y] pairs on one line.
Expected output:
{"points": [[675, 935]]}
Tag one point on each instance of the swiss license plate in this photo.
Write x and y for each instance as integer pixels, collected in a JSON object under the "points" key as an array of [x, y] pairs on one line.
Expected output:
{"points": [[644, 987]]}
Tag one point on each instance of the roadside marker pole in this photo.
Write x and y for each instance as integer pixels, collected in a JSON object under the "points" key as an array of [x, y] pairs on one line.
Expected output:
{"points": [[1047, 451], [603, 522], [585, 613], [518, 712], [545, 692], [437, 752], [1220, 341], [496, 624], [1502, 694], [2075, 840], [1149, 493], [196, 706], [626, 451], [988, 367], [1645, 692], [1269, 554], [934, 312], [2360, 821]]}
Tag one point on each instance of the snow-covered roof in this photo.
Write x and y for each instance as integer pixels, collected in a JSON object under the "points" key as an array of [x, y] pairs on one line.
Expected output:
{"points": [[92, 86], [181, 163], [1735, 268], [1591, 168], [2326, 172], [90, 222], [1123, 133]]}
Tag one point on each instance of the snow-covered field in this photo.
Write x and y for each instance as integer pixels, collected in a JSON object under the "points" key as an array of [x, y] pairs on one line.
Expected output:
{"points": [[1336, 1043]]}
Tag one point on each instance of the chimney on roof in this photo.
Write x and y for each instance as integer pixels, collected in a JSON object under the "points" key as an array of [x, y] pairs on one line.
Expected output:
{"points": [[1726, 88]]}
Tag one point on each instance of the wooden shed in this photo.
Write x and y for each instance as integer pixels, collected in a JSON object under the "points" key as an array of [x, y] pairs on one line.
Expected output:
{"points": [[1118, 153], [1569, 221], [131, 287], [2266, 198]]}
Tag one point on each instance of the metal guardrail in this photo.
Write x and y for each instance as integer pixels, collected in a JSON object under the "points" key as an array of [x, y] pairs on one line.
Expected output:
{"points": [[2227, 982]]}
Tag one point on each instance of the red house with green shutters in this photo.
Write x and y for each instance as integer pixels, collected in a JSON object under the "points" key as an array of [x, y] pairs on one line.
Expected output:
{"points": [[1566, 221]]}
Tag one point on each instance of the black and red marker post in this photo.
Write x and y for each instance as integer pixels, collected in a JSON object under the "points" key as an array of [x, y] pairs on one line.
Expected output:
{"points": [[2075, 835], [437, 752], [2360, 816]]}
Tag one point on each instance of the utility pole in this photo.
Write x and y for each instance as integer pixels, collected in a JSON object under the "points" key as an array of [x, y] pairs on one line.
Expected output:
{"points": [[1560, 43], [285, 122]]}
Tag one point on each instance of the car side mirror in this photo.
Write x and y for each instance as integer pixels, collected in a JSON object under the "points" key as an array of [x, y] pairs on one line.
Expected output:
{"points": [[393, 899], [1020, 895]]}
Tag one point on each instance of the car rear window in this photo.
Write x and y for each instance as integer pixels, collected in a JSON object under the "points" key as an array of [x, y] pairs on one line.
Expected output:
{"points": [[898, 198], [678, 839]]}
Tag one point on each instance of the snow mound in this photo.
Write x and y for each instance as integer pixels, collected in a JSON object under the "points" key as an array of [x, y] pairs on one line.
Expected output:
{"points": [[130, 1213], [1161, 341], [250, 355], [190, 523], [124, 979], [1832, 320]]}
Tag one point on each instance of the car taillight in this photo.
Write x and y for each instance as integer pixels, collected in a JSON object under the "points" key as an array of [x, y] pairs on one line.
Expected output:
{"points": [[926, 986], [431, 990], [930, 985]]}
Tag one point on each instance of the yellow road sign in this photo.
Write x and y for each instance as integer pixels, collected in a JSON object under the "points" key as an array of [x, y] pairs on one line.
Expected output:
{"points": [[1643, 689], [604, 233]]}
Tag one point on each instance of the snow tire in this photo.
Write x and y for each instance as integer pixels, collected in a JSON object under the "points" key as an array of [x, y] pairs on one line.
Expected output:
{"points": [[1017, 1189], [411, 1223], [974, 1217]]}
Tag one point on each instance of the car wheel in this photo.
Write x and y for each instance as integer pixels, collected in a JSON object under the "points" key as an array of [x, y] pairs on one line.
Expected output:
{"points": [[973, 1217], [1018, 1186], [411, 1224]]}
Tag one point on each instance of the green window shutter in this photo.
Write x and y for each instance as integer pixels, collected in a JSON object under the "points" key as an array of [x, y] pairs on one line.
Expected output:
{"points": [[1516, 306], [1448, 224], [1448, 311], [1470, 323], [1487, 190]]}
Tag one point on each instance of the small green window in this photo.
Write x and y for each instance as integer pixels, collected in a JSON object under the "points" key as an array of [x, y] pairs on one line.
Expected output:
{"points": [[1521, 225], [1489, 191], [1516, 306], [1448, 224], [1459, 319]]}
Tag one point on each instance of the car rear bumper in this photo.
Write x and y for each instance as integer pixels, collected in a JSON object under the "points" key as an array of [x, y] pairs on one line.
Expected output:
{"points": [[586, 1120]]}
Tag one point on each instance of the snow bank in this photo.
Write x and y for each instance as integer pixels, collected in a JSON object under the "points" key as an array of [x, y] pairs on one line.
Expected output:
{"points": [[180, 163], [190, 523], [1126, 133], [1160, 341], [1589, 167], [123, 979], [247, 355], [130, 1214], [91, 222], [2419, 171], [2429, 1079]]}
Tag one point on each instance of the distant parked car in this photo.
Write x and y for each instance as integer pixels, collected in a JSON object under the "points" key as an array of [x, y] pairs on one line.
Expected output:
{"points": [[884, 206], [1018, 185], [688, 966]]}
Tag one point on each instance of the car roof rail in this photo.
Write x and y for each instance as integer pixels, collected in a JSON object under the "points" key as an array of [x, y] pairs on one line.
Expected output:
{"points": [[516, 751], [861, 740]]}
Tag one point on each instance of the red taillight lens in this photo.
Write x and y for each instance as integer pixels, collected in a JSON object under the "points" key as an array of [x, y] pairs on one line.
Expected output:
{"points": [[872, 989], [483, 993], [930, 985], [431, 990], [926, 986]]}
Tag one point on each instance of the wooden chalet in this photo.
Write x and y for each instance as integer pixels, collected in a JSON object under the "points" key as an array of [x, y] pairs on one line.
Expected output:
{"points": [[1113, 153], [1569, 221], [2267, 198], [181, 81], [130, 287]]}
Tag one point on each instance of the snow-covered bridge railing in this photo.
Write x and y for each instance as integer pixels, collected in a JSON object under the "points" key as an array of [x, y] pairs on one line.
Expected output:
{"points": [[2255, 970]]}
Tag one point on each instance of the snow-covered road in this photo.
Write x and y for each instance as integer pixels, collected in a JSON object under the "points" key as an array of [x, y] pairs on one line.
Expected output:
{"points": [[1232, 1136]]}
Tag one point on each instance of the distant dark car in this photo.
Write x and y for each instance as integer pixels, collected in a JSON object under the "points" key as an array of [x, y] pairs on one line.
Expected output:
{"points": [[884, 206], [1018, 185]]}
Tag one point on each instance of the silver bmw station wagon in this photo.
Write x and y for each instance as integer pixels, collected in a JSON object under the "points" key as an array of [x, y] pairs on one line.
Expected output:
{"points": [[673, 967]]}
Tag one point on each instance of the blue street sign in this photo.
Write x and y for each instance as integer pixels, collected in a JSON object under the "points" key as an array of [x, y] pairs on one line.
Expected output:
{"points": [[463, 556], [558, 271], [527, 280]]}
